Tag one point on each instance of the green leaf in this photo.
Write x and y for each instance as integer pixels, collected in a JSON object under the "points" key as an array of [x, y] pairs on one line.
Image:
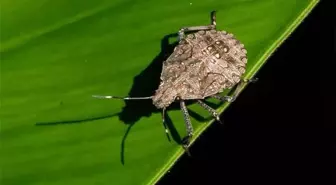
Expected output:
{"points": [[56, 54]]}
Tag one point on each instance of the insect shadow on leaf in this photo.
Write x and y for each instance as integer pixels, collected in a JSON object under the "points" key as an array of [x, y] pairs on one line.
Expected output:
{"points": [[77, 121]]}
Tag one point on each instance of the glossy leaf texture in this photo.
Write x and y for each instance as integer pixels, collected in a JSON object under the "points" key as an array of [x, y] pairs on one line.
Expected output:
{"points": [[56, 54]]}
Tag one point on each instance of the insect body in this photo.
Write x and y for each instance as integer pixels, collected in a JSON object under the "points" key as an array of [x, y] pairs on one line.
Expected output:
{"points": [[204, 63]]}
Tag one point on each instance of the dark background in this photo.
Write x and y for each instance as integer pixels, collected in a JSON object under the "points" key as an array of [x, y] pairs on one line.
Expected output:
{"points": [[281, 129]]}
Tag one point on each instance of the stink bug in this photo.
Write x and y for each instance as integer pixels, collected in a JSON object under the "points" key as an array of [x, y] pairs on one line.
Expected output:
{"points": [[204, 63]]}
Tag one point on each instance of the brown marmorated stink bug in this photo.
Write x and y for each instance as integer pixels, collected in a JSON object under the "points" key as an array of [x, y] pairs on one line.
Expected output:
{"points": [[204, 63]]}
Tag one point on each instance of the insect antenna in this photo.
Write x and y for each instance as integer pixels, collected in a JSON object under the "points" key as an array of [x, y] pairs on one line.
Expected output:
{"points": [[122, 98]]}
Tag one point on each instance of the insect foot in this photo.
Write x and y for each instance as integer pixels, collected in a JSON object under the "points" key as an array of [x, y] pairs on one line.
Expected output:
{"points": [[186, 143], [210, 110], [204, 63], [252, 80]]}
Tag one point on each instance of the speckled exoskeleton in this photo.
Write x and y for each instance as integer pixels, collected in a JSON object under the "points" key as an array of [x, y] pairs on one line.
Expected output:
{"points": [[204, 63]]}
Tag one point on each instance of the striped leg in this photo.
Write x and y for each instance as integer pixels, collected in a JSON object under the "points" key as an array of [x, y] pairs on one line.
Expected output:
{"points": [[210, 110], [212, 25], [189, 128]]}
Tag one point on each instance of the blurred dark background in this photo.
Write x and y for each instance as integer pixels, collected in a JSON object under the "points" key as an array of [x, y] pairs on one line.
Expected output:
{"points": [[280, 130]]}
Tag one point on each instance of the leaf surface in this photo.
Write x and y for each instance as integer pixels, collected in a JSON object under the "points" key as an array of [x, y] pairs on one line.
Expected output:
{"points": [[56, 54]]}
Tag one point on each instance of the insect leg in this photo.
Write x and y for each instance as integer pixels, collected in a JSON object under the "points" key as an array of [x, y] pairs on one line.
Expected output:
{"points": [[252, 80], [213, 18], [223, 98], [186, 140], [212, 25], [236, 92], [210, 110], [164, 123], [163, 120], [123, 98], [181, 33]]}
